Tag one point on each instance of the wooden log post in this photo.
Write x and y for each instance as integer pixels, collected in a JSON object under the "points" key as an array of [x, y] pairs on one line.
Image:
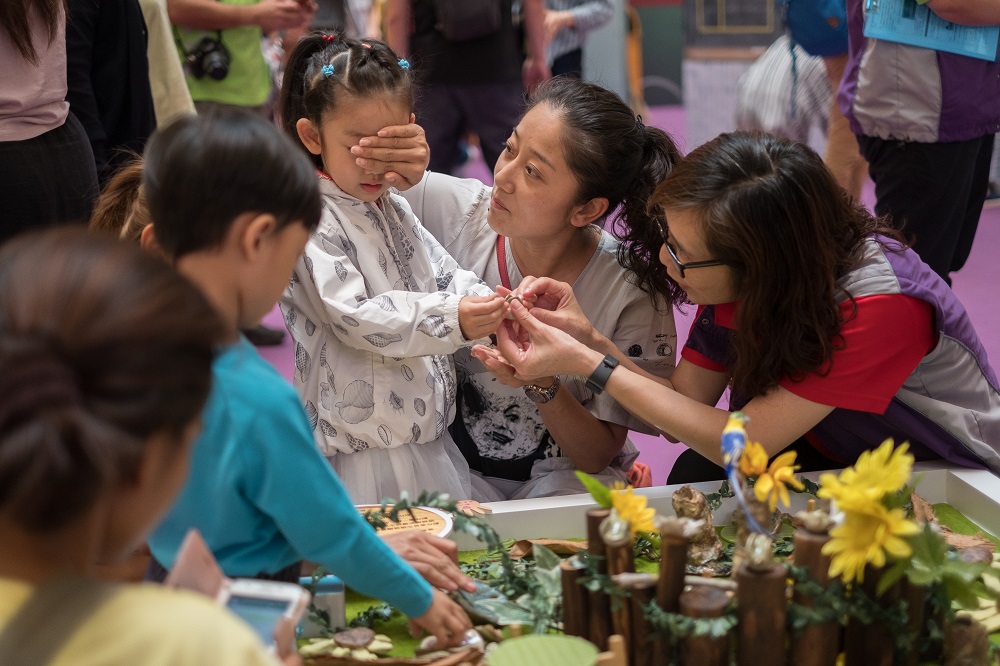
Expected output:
{"points": [[645, 651], [621, 559], [576, 601], [761, 609], [871, 644], [817, 644], [598, 603], [673, 563], [704, 601], [916, 606]]}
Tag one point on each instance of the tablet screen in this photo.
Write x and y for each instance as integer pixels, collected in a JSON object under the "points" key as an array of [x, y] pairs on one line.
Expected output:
{"points": [[261, 614]]}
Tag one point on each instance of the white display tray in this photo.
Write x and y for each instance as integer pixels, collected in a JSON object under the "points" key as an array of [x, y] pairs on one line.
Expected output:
{"points": [[976, 493]]}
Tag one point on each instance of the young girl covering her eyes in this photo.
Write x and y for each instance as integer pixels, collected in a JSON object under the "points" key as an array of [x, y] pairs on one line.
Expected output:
{"points": [[375, 305]]}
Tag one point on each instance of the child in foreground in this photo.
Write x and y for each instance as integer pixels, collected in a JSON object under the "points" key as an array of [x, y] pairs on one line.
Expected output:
{"points": [[233, 204], [376, 306], [105, 364]]}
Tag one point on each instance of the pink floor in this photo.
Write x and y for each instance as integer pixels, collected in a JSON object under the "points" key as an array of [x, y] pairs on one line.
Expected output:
{"points": [[976, 285]]}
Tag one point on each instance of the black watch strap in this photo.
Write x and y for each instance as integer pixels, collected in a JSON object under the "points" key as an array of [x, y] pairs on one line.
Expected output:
{"points": [[598, 379]]}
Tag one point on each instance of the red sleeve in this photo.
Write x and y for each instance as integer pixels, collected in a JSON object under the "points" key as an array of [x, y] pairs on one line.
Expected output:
{"points": [[880, 346], [702, 361]]}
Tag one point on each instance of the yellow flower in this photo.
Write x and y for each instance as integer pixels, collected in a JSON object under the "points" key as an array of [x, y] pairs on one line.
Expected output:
{"points": [[876, 474], [773, 484], [753, 461], [632, 508], [868, 533]]}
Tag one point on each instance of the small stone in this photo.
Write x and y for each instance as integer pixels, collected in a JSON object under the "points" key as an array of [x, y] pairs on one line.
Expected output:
{"points": [[489, 633], [358, 637], [362, 654], [317, 647], [380, 647], [428, 644]]}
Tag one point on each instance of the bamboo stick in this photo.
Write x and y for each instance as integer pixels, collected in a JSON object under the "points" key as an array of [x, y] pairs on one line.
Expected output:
{"points": [[598, 603], [817, 644], [576, 603], [871, 644], [704, 601], [761, 609]]}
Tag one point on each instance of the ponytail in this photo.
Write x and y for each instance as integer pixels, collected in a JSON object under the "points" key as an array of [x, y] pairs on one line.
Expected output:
{"points": [[121, 210], [636, 226], [292, 102]]}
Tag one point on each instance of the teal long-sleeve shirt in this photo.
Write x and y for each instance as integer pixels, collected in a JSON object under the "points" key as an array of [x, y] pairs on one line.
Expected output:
{"points": [[263, 496]]}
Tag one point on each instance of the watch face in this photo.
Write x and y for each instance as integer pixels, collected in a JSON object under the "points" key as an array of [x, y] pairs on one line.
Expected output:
{"points": [[536, 394], [540, 395]]}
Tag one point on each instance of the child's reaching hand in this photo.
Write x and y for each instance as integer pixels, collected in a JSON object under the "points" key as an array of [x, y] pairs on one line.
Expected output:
{"points": [[480, 316], [445, 620]]}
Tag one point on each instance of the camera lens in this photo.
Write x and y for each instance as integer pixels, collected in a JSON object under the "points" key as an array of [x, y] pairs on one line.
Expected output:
{"points": [[216, 65]]}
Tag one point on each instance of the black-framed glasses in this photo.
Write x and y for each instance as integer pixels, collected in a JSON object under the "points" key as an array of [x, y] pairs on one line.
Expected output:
{"points": [[681, 267]]}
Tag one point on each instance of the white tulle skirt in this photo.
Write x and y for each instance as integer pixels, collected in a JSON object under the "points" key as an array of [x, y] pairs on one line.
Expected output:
{"points": [[375, 474]]}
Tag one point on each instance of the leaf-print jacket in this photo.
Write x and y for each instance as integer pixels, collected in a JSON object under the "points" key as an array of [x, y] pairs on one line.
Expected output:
{"points": [[373, 309]]}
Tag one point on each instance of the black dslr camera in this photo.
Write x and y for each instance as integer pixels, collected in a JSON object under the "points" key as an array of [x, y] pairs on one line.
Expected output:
{"points": [[209, 57]]}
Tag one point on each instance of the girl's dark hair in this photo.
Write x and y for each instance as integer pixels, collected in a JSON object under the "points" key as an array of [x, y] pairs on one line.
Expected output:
{"points": [[615, 156], [769, 209], [99, 351], [15, 19], [121, 209], [357, 68], [202, 172]]}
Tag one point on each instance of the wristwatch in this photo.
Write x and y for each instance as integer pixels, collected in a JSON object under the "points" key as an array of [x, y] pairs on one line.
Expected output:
{"points": [[540, 395], [598, 379]]}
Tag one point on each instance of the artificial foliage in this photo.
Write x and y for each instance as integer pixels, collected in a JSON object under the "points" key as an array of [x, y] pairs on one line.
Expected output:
{"points": [[875, 532], [528, 595]]}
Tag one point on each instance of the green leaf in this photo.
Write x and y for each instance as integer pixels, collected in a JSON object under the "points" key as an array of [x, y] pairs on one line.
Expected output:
{"points": [[507, 612], [597, 490], [545, 558], [891, 576]]}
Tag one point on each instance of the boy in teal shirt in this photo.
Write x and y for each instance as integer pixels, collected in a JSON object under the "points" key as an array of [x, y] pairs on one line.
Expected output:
{"points": [[233, 203]]}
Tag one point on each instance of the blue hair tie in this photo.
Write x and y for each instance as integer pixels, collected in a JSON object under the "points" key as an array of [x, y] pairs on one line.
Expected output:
{"points": [[404, 63], [327, 70]]}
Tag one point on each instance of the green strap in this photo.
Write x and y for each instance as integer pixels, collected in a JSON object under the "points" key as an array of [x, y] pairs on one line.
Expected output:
{"points": [[46, 621]]}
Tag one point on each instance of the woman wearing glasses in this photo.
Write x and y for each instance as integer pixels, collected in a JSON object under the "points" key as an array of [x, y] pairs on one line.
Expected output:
{"points": [[829, 332]]}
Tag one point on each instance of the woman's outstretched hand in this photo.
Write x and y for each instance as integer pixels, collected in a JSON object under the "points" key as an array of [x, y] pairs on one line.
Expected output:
{"points": [[400, 152], [555, 304], [536, 349], [494, 361]]}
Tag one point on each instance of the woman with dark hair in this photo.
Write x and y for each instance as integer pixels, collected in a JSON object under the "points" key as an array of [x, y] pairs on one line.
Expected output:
{"points": [[47, 171], [578, 158], [831, 334], [105, 363]]}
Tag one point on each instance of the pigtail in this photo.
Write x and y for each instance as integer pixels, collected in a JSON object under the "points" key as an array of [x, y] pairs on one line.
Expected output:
{"points": [[301, 72], [120, 210], [640, 237]]}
